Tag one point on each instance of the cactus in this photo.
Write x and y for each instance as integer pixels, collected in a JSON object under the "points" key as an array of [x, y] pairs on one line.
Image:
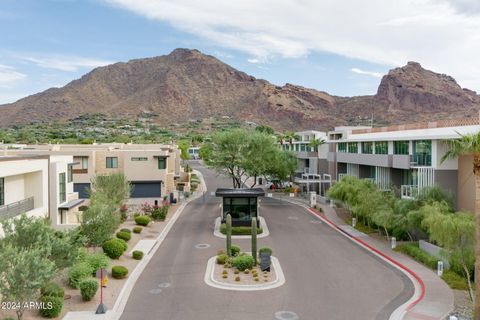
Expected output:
{"points": [[254, 239], [229, 235]]}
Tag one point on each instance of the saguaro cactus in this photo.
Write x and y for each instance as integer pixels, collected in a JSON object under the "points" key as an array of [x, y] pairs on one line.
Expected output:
{"points": [[254, 239], [229, 235]]}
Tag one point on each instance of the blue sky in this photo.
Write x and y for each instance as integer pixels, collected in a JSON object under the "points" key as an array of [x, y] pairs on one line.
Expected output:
{"points": [[47, 43]]}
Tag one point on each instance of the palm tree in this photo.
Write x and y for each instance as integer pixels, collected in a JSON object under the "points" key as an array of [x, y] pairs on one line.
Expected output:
{"points": [[291, 136], [470, 144], [315, 143]]}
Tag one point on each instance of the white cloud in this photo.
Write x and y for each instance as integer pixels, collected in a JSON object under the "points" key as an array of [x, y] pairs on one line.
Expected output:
{"points": [[367, 73], [66, 63], [8, 75], [443, 35]]}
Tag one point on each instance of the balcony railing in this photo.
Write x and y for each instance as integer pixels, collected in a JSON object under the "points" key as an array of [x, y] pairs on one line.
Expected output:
{"points": [[421, 160], [79, 171], [409, 191], [16, 208]]}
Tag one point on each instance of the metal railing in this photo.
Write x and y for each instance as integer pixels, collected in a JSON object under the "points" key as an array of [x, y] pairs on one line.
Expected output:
{"points": [[16, 208], [420, 160], [409, 191]]}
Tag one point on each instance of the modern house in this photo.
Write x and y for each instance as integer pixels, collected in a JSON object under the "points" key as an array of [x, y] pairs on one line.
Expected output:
{"points": [[406, 157], [152, 169]]}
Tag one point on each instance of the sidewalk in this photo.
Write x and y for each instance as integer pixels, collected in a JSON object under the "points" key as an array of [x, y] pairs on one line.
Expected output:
{"points": [[436, 299]]}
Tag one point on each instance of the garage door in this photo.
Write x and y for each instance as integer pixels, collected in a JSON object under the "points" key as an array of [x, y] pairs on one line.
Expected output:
{"points": [[146, 189], [82, 189]]}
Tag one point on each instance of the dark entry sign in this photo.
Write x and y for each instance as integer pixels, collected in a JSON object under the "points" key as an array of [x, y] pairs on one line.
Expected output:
{"points": [[265, 261]]}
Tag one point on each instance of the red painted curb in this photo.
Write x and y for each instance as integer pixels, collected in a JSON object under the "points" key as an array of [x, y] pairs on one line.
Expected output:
{"points": [[413, 274]]}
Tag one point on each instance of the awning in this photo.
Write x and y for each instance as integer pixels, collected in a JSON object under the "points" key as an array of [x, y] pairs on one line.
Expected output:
{"points": [[71, 204], [246, 192], [161, 156]]}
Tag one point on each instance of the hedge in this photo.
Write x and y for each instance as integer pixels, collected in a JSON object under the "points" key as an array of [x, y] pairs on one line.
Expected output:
{"points": [[137, 229], [114, 248], [418, 254], [243, 262], [124, 235], [142, 220], [137, 255], [88, 288], [239, 231], [119, 272]]}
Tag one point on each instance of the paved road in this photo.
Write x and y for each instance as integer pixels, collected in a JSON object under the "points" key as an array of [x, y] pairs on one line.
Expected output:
{"points": [[327, 276]]}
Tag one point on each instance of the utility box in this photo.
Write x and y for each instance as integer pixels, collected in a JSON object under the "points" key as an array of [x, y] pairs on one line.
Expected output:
{"points": [[313, 199]]}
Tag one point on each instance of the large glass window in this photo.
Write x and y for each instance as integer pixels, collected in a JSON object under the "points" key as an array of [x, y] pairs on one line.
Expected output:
{"points": [[381, 147], [342, 147], [367, 147], [400, 147], [162, 163], [422, 152], [112, 162], [302, 147], [2, 191], [62, 190], [352, 147], [70, 173]]}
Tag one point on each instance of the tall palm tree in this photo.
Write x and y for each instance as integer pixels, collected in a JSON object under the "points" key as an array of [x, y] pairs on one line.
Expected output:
{"points": [[315, 143], [470, 144], [291, 136]]}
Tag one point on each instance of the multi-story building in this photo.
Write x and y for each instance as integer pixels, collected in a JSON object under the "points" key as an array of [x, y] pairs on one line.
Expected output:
{"points": [[152, 169], [38, 185], [407, 157]]}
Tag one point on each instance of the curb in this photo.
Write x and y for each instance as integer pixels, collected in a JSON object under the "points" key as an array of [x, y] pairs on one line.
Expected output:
{"points": [[419, 286], [263, 223], [209, 280]]}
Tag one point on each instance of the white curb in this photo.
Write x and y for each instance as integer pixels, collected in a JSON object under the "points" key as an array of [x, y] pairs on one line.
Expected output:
{"points": [[209, 280], [263, 224]]}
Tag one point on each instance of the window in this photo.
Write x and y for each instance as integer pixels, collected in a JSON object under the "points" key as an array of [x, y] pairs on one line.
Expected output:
{"points": [[342, 147], [302, 147], [70, 173], [84, 162], [352, 147], [139, 158], [367, 147], [381, 147], [400, 147], [62, 190], [2, 191], [422, 152], [112, 162], [162, 163]]}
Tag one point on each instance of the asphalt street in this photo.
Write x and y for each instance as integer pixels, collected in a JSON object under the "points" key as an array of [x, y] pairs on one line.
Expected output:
{"points": [[327, 275]]}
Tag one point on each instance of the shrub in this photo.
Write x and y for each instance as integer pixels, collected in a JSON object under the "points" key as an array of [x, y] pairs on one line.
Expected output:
{"points": [[243, 262], [237, 278], [160, 213], [126, 230], [247, 271], [124, 244], [114, 248], [136, 214], [88, 288], [78, 272], [235, 250], [239, 231], [123, 216], [221, 251], [52, 289], [97, 260], [236, 271], [224, 276], [137, 255], [418, 254], [186, 194], [56, 306], [454, 281], [256, 279], [142, 220], [137, 229], [124, 235], [265, 249], [119, 272], [222, 258], [225, 272]]}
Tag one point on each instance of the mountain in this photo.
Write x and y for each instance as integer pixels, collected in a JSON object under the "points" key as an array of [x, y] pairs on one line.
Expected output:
{"points": [[187, 84]]}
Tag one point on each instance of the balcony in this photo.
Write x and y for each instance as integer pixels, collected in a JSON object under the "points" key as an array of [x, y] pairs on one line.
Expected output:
{"points": [[79, 171], [380, 160], [421, 160], [306, 154], [16, 208], [401, 161], [409, 191]]}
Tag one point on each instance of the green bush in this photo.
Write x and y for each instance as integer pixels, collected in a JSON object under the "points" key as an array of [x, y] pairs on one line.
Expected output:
{"points": [[235, 250], [412, 250], [454, 281], [119, 272], [142, 220], [52, 289], [56, 304], [124, 235], [239, 231], [136, 214], [88, 288], [97, 260], [114, 248], [222, 258], [243, 262], [265, 249], [160, 213], [137, 229], [126, 230], [78, 272], [137, 255], [124, 244]]}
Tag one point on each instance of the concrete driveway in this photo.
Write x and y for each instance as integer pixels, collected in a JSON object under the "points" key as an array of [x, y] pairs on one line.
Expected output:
{"points": [[327, 276]]}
